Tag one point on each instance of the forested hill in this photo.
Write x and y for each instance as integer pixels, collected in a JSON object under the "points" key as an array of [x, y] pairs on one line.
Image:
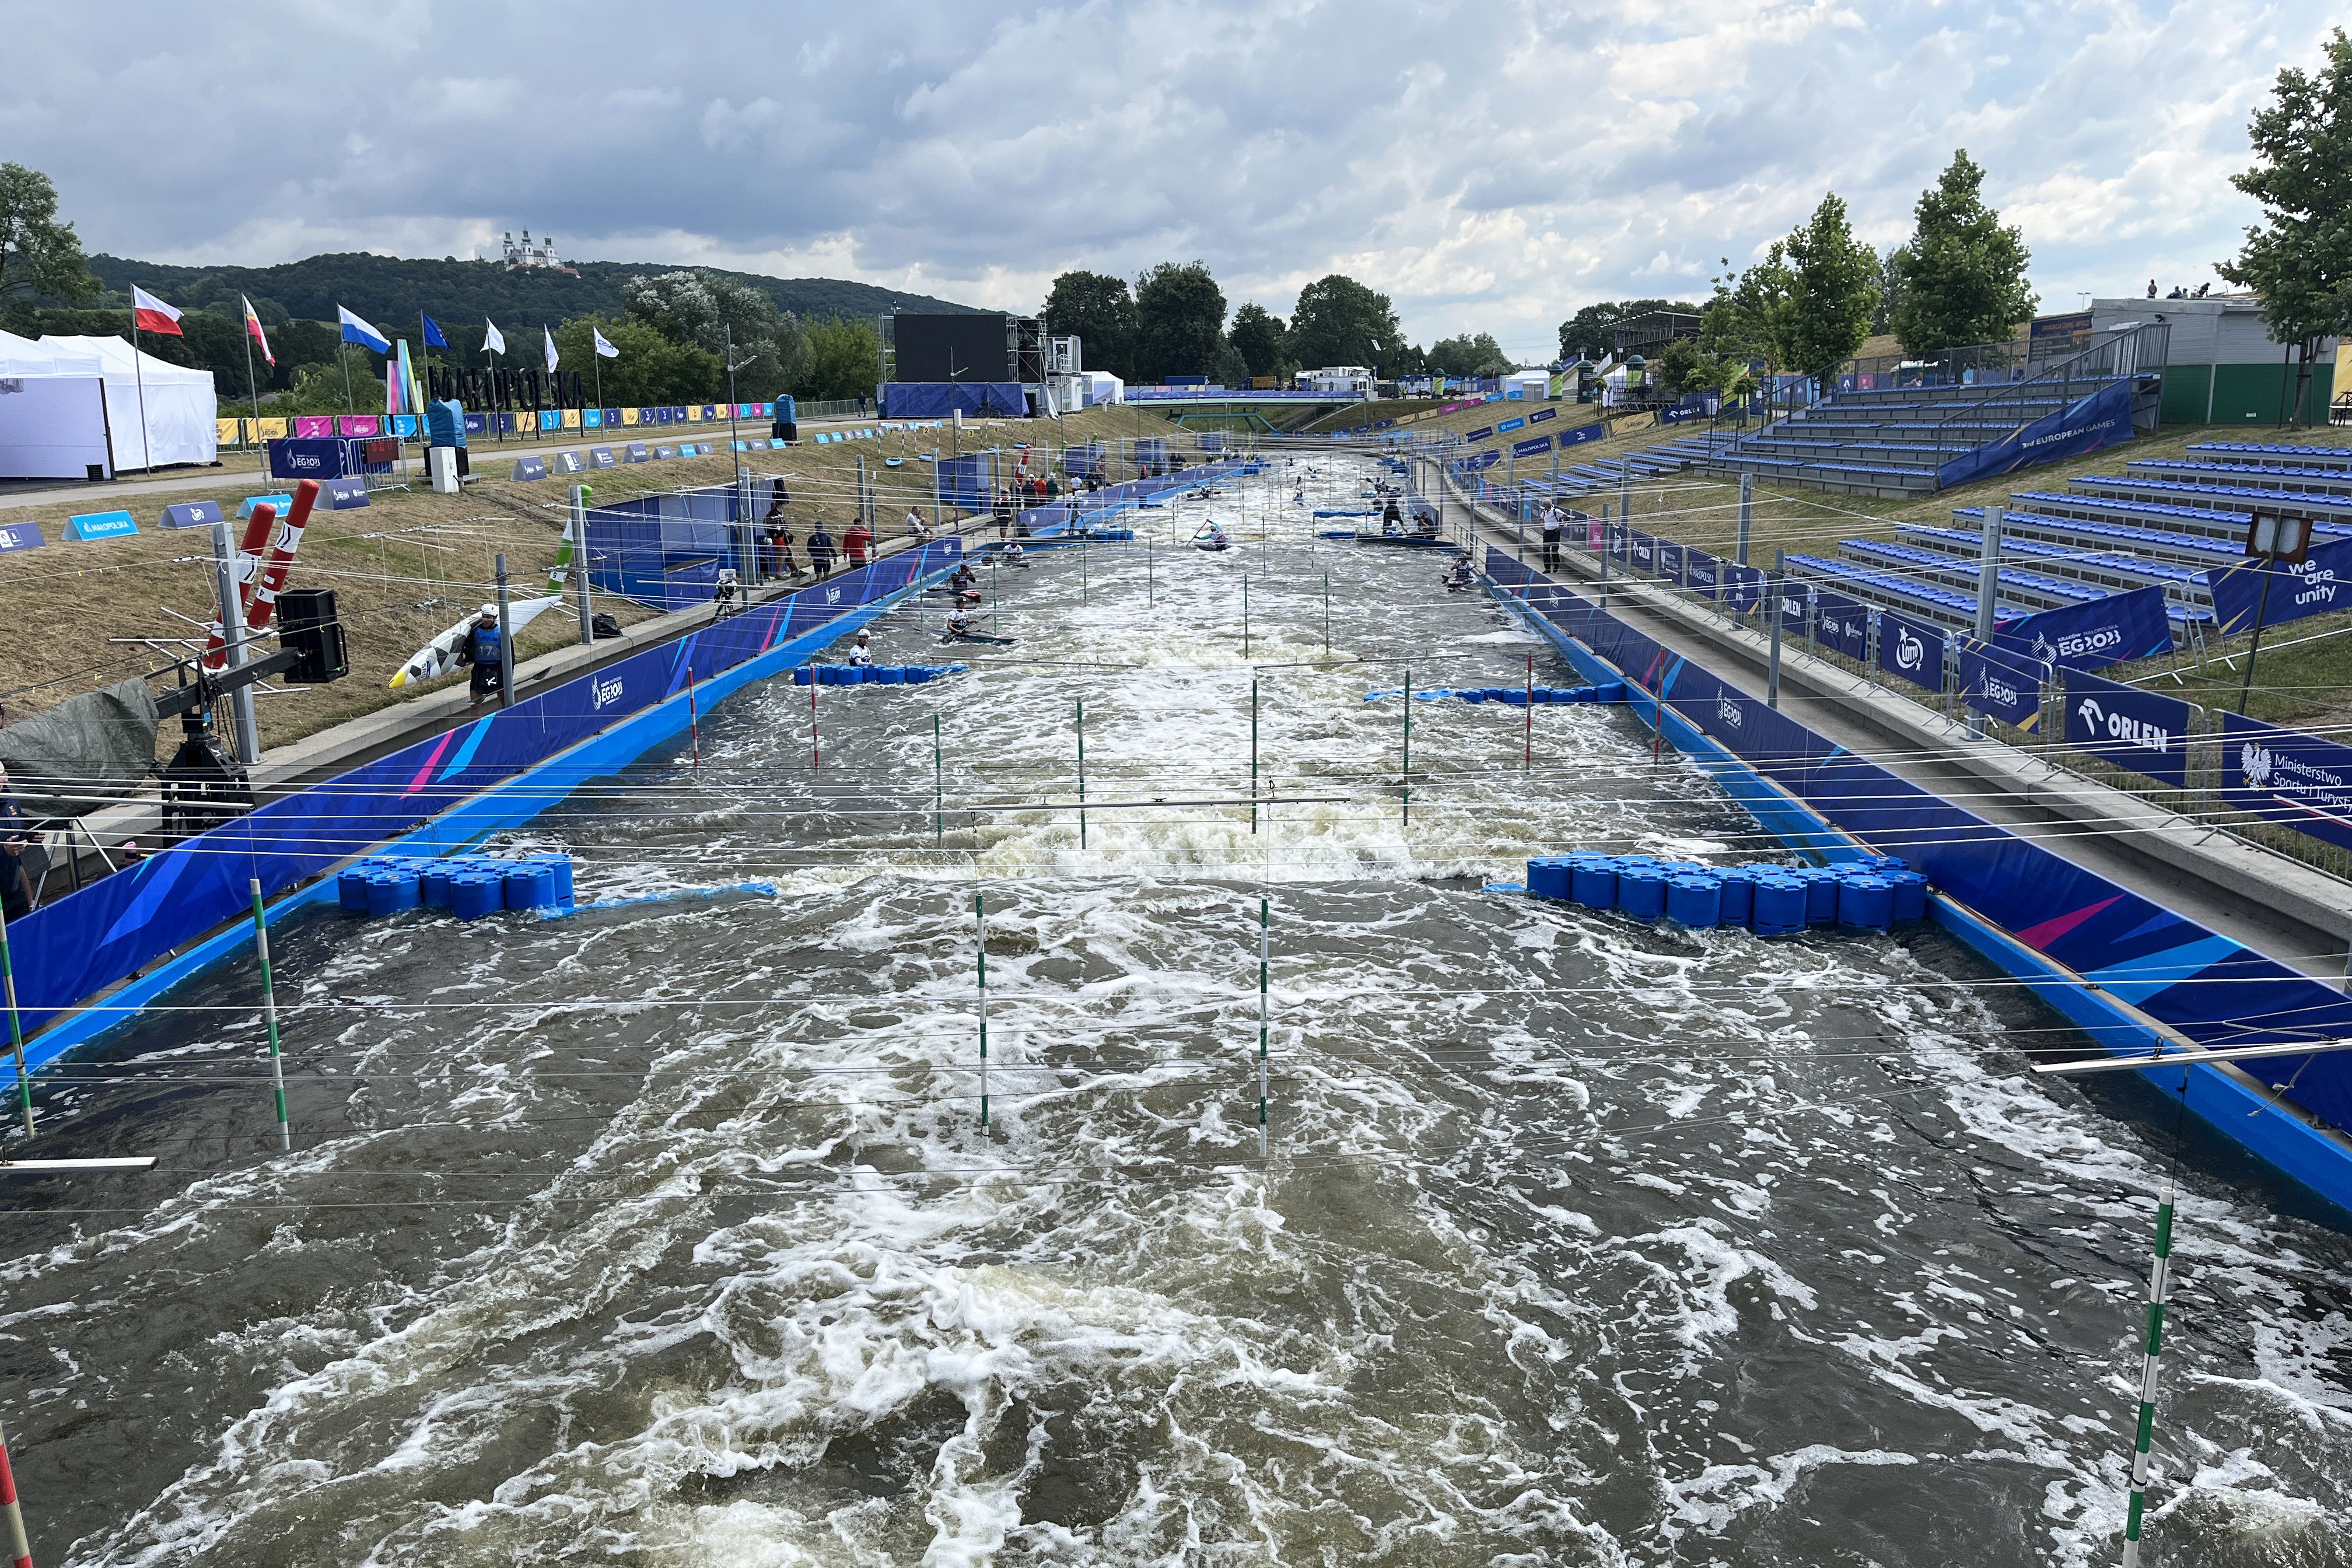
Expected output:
{"points": [[389, 291]]}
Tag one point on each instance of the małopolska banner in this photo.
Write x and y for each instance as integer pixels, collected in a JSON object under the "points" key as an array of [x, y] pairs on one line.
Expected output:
{"points": [[1911, 650], [2001, 684], [2129, 727], [1534, 448], [2296, 779], [2089, 637], [2321, 584], [2083, 426], [1840, 624]]}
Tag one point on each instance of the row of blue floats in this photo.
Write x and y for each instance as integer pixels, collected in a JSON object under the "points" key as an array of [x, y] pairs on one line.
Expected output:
{"points": [[1871, 894], [467, 885], [1515, 696], [872, 674]]}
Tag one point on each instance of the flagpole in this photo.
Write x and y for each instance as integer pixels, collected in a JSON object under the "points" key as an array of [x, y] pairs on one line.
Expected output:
{"points": [[344, 352], [253, 385], [138, 373]]}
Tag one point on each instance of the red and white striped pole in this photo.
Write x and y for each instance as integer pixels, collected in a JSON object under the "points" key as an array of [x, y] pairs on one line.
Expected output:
{"points": [[20, 1551]]}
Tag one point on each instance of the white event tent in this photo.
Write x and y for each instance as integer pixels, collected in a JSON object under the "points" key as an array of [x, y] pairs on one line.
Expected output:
{"points": [[81, 407]]}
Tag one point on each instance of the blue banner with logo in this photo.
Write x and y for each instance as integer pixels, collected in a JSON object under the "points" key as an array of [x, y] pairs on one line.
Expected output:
{"points": [[1480, 434], [1507, 426], [1540, 415], [1702, 573], [1911, 650], [1743, 587], [1641, 551], [2083, 426], [2296, 779], [1670, 561], [1483, 460], [2321, 584], [1843, 625], [2001, 685], [1583, 433], [2130, 728], [1535, 448], [2090, 636]]}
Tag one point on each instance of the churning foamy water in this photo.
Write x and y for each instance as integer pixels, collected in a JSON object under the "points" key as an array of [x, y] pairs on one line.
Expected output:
{"points": [[667, 1233]]}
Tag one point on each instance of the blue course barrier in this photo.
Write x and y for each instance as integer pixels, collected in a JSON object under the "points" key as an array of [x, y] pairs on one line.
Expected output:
{"points": [[2131, 973], [68, 952]]}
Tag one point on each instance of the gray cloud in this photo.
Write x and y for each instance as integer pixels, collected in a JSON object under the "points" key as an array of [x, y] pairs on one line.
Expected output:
{"points": [[1493, 166]]}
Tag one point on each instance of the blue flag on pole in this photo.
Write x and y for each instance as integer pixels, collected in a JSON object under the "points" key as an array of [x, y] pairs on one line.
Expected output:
{"points": [[432, 338]]}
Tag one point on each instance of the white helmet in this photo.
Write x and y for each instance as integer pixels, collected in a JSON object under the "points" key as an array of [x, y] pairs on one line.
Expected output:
{"points": [[490, 610]]}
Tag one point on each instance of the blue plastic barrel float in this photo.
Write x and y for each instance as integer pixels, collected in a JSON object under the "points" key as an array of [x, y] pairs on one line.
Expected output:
{"points": [[1593, 883], [389, 893], [1547, 876], [352, 891], [1694, 898], [894, 677], [1473, 694], [529, 886], [1738, 895], [561, 865], [1820, 894], [1778, 904], [1641, 891], [473, 894], [1910, 895], [433, 887], [1865, 903]]}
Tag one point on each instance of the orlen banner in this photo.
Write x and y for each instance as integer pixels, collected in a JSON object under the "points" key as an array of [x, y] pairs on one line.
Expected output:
{"points": [[2291, 778], [2322, 583], [2130, 728], [2090, 636]]}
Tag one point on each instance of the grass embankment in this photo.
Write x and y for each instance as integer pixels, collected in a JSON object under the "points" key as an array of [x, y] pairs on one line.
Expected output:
{"points": [[2306, 673], [412, 562]]}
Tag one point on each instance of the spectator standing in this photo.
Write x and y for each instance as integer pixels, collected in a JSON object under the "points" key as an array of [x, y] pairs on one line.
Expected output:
{"points": [[857, 541], [821, 550]]}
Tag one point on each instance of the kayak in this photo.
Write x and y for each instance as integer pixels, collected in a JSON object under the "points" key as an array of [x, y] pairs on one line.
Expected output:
{"points": [[1212, 544], [974, 636], [439, 656]]}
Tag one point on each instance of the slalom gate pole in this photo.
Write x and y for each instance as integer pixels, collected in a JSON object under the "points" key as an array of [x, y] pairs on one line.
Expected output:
{"points": [[939, 788], [816, 751], [1246, 614], [20, 1551], [2159, 1285], [1253, 755], [1264, 940], [980, 915], [1082, 773], [269, 1016], [15, 1029], [1151, 593], [1529, 761], [1407, 745], [1327, 612], [694, 720]]}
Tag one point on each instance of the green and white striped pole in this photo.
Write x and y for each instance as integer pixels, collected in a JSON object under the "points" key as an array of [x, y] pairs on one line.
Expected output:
{"points": [[939, 788], [269, 1016], [15, 1029], [1407, 745], [1082, 772], [1252, 755], [1264, 942], [2159, 1284], [980, 914]]}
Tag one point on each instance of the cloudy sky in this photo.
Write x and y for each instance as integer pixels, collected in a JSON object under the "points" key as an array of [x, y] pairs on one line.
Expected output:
{"points": [[1492, 166]]}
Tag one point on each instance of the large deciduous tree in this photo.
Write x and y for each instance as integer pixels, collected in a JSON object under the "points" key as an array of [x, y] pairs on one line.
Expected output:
{"points": [[843, 359], [712, 311], [652, 368], [1258, 337], [1097, 308], [1339, 321], [1963, 273], [1469, 354], [2298, 260], [1832, 286], [1181, 321], [39, 255]]}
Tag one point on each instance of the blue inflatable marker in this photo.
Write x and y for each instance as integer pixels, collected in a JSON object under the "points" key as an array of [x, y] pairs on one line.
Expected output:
{"points": [[1865, 903]]}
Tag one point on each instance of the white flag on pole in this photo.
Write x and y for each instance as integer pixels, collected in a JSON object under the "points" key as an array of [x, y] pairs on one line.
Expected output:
{"points": [[551, 347], [493, 340], [604, 349]]}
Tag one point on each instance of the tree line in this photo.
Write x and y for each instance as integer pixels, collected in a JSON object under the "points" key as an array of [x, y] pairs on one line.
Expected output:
{"points": [[1173, 322]]}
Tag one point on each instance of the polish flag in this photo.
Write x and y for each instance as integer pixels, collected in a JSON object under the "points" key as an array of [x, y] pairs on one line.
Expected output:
{"points": [[253, 330], [152, 315]]}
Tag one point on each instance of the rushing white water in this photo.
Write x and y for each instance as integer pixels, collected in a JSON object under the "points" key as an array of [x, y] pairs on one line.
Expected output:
{"points": [[668, 1234]]}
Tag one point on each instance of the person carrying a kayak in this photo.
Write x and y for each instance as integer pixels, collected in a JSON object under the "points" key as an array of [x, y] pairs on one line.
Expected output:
{"points": [[481, 647]]}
